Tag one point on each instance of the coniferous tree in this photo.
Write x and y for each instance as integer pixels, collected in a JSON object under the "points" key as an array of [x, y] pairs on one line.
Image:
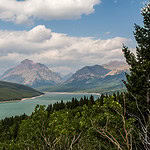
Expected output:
{"points": [[91, 101], [16, 130], [49, 110], [138, 81], [101, 99], [81, 102]]}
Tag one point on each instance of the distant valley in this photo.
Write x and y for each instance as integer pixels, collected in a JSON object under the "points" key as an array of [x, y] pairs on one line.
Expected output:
{"points": [[97, 78]]}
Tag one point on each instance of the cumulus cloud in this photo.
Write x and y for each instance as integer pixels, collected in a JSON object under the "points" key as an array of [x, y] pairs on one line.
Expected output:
{"points": [[39, 34], [28, 10], [59, 51]]}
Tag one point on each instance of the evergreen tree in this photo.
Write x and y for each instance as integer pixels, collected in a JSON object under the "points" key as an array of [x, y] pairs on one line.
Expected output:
{"points": [[76, 103], [62, 105], [91, 101], [16, 130], [69, 105], [138, 81], [49, 110], [85, 100], [81, 102], [101, 99]]}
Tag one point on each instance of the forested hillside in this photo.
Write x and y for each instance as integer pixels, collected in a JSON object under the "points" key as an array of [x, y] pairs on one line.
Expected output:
{"points": [[85, 124], [12, 91]]}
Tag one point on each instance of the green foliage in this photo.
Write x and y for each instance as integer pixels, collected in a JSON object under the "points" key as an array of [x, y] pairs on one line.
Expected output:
{"points": [[138, 81], [108, 123], [61, 127], [12, 91]]}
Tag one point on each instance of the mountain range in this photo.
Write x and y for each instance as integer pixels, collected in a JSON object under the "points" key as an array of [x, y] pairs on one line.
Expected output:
{"points": [[31, 74], [97, 78], [93, 79]]}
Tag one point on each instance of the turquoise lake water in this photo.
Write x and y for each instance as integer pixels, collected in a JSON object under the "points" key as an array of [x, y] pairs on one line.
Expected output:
{"points": [[27, 106]]}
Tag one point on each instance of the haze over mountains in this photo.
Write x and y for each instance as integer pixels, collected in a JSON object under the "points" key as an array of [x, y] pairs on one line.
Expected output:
{"points": [[95, 78], [89, 77], [32, 74], [88, 72]]}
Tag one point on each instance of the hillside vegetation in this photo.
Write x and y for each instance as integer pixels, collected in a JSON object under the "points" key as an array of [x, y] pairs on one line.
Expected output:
{"points": [[112, 122], [13, 91], [74, 125]]}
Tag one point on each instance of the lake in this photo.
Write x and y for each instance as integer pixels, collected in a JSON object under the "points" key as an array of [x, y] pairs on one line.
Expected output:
{"points": [[27, 106]]}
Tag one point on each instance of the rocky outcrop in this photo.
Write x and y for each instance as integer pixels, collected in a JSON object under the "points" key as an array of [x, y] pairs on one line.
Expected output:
{"points": [[32, 74]]}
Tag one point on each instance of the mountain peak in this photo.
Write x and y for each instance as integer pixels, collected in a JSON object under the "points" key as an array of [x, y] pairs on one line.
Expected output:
{"points": [[32, 74], [89, 72], [27, 61]]}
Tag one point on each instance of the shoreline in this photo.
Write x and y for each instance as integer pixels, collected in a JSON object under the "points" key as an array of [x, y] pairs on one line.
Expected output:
{"points": [[11, 101], [74, 93], [31, 97], [23, 99]]}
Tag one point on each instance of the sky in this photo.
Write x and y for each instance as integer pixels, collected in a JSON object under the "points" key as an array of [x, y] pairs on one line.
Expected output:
{"points": [[66, 35]]}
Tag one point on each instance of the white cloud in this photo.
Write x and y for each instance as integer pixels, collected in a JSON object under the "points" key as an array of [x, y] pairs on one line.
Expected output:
{"points": [[28, 10], [39, 34], [57, 50]]}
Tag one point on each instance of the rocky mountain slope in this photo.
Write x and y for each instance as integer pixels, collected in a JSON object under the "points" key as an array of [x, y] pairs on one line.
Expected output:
{"points": [[95, 79], [89, 72], [32, 74], [116, 67], [89, 78], [67, 76], [12, 91]]}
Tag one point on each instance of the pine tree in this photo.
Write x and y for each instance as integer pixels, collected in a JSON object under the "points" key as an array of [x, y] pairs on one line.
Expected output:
{"points": [[91, 100], [138, 81]]}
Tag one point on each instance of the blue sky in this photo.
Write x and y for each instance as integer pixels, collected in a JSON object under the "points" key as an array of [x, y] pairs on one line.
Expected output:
{"points": [[109, 22], [116, 17]]}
